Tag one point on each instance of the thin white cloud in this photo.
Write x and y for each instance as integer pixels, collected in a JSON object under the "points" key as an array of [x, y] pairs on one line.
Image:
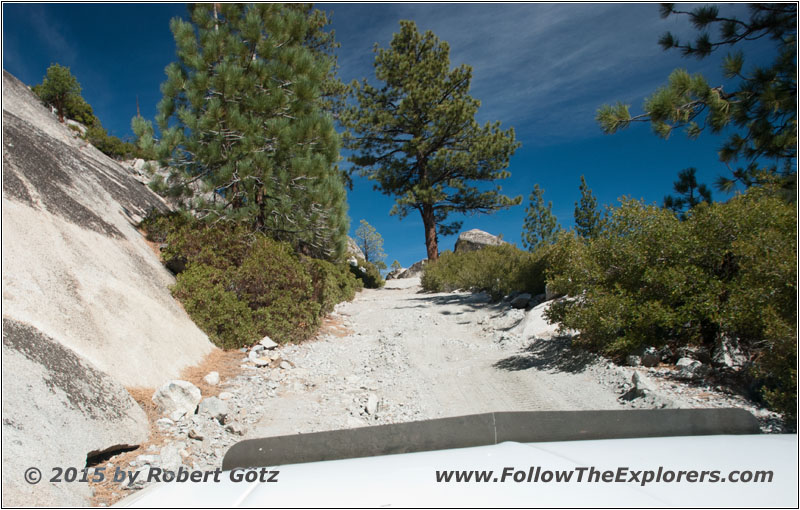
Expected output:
{"points": [[544, 68], [52, 33]]}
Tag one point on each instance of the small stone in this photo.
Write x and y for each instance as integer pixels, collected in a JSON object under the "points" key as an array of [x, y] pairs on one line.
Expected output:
{"points": [[212, 379], [177, 415], [214, 407], [651, 357], [235, 428], [164, 423], [285, 365], [642, 385], [633, 361], [194, 434], [254, 354], [260, 362], [170, 458], [521, 301], [372, 404], [267, 343], [225, 395]]}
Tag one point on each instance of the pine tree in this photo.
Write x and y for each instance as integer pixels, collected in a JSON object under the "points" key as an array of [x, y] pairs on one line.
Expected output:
{"points": [[541, 226], [371, 244], [243, 112], [689, 193], [59, 89], [417, 138], [588, 221], [761, 103], [396, 265]]}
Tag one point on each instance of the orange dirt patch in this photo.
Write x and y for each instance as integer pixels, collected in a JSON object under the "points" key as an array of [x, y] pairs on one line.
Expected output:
{"points": [[334, 326]]}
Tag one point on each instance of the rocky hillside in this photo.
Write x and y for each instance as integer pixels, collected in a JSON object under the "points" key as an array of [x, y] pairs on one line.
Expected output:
{"points": [[86, 305]]}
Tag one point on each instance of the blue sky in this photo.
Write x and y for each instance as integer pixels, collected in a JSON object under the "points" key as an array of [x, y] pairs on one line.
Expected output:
{"points": [[543, 69]]}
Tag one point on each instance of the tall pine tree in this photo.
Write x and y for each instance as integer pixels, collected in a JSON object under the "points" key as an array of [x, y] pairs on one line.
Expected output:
{"points": [[417, 138], [243, 111], [541, 226], [588, 221]]}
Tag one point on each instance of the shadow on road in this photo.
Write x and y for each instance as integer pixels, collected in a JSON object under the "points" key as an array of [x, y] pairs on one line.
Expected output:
{"points": [[556, 354], [479, 301]]}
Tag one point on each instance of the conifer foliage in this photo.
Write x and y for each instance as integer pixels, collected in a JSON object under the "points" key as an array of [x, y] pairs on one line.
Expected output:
{"points": [[541, 226], [59, 89], [760, 102], [243, 112], [371, 244], [588, 220], [417, 138], [689, 193]]}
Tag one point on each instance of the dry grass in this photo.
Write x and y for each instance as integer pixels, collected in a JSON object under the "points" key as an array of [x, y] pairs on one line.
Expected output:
{"points": [[226, 363]]}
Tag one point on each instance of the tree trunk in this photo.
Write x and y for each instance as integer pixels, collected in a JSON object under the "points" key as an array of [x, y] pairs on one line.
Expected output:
{"points": [[261, 218], [431, 242], [236, 200], [60, 110]]}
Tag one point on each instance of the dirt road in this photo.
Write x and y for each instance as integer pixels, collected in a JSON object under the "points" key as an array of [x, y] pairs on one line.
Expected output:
{"points": [[409, 355]]}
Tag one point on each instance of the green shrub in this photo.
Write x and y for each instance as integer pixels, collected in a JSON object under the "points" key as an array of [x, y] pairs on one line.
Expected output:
{"points": [[370, 277], [226, 319], [222, 246], [631, 281], [728, 270], [110, 145], [276, 286], [158, 225], [498, 270], [239, 286], [79, 110], [332, 283]]}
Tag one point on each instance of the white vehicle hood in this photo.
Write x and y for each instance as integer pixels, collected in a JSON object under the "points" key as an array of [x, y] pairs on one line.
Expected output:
{"points": [[409, 480]]}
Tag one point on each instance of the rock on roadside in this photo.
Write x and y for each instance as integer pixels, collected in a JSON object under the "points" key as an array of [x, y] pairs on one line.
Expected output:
{"points": [[212, 378], [177, 398], [414, 271], [475, 239], [521, 301], [691, 368], [214, 408]]}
